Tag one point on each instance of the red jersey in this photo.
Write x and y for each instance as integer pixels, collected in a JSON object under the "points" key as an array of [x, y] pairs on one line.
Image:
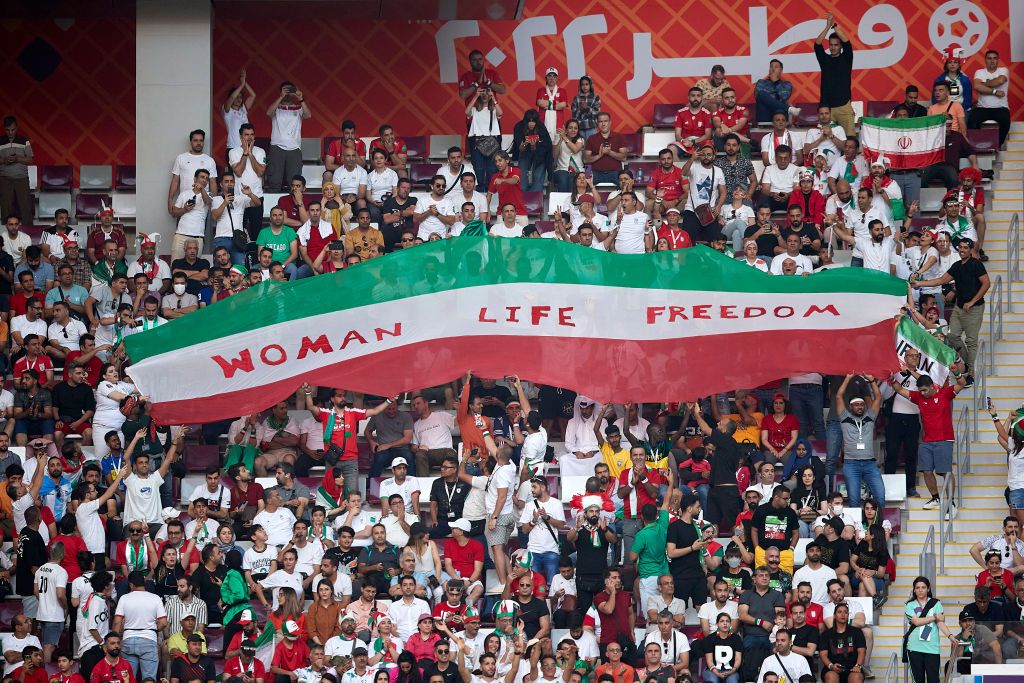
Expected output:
{"points": [[119, 672], [334, 149], [936, 414], [446, 612], [235, 667], [72, 545], [69, 678], [35, 676], [559, 96], [291, 210], [40, 364], [343, 430], [692, 125], [18, 302], [508, 193], [398, 147], [732, 119], [186, 564], [540, 585], [638, 497], [970, 202], [293, 658], [677, 239], [670, 182], [815, 613], [464, 558], [93, 367], [97, 237], [476, 79]]}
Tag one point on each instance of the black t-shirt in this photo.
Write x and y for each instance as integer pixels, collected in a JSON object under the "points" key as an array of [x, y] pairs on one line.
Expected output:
{"points": [[723, 651], [993, 613], [842, 647], [684, 535], [184, 669], [7, 266], [192, 286], [871, 559], [774, 526], [450, 498], [497, 391], [206, 589], [450, 675], [393, 231], [71, 402], [836, 74], [347, 559], [741, 580], [31, 555], [967, 275], [833, 553], [591, 560], [725, 460], [804, 636], [531, 613], [765, 243], [806, 230]]}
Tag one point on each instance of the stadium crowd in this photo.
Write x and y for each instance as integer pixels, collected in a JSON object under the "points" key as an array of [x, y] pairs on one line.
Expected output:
{"points": [[679, 556]]}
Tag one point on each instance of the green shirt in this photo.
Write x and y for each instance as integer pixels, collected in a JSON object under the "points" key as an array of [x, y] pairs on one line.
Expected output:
{"points": [[281, 244], [926, 639], [650, 545]]}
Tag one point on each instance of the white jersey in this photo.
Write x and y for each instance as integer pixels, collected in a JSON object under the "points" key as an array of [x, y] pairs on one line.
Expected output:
{"points": [[48, 579]]}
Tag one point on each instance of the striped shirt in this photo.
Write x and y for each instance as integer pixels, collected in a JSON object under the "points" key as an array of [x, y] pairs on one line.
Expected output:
{"points": [[177, 610]]}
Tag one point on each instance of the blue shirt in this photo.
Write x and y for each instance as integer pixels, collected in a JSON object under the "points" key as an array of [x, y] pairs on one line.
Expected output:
{"points": [[43, 272], [56, 494], [76, 295], [110, 465]]}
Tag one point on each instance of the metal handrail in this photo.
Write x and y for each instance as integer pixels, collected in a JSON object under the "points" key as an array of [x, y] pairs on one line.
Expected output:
{"points": [[1013, 254], [926, 561], [891, 669], [998, 297]]}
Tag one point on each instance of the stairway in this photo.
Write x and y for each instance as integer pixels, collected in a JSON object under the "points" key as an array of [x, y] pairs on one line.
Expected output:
{"points": [[983, 504]]}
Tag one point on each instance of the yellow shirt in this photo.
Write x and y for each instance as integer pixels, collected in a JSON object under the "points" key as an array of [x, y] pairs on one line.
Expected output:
{"points": [[751, 433], [178, 642], [616, 460]]}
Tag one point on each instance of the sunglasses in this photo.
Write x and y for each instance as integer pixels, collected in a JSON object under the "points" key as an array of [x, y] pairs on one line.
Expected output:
{"points": [[135, 531], [442, 652]]}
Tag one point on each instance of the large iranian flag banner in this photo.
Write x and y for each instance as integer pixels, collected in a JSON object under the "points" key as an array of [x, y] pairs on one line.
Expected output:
{"points": [[651, 327], [907, 143]]}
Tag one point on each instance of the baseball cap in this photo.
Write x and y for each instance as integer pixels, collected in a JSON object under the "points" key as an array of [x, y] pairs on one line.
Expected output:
{"points": [[356, 651], [399, 461], [196, 638], [290, 630], [706, 143], [425, 615], [585, 198], [965, 615], [461, 523], [551, 70], [245, 617], [188, 616]]}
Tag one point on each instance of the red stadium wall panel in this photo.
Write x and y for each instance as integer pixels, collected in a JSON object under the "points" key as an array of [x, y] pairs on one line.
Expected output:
{"points": [[71, 83], [639, 55]]}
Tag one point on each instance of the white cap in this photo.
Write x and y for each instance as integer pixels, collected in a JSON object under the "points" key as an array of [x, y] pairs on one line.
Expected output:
{"points": [[461, 523], [398, 461]]}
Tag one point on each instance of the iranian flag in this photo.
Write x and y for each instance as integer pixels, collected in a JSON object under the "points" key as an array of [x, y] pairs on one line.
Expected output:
{"points": [[936, 357], [265, 644], [650, 327], [907, 143]]}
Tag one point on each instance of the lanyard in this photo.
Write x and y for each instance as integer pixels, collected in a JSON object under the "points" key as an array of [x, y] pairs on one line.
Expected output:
{"points": [[450, 494]]}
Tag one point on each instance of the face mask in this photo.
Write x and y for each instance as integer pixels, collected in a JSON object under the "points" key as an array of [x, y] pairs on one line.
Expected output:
{"points": [[179, 289], [837, 509], [733, 562]]}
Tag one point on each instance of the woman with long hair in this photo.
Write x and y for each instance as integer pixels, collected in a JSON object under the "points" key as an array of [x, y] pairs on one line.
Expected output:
{"points": [[568, 149], [167, 572], [1010, 434], [407, 670], [808, 499], [289, 606], [662, 245], [234, 592], [871, 514], [531, 150], [108, 417], [586, 106], [779, 430], [483, 135], [868, 561], [428, 560], [927, 622], [322, 617]]}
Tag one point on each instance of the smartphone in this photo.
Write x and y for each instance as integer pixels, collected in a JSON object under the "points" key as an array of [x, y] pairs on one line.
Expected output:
{"points": [[510, 378]]}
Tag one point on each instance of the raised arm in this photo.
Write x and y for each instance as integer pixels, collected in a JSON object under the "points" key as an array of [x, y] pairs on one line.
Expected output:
{"points": [[173, 451]]}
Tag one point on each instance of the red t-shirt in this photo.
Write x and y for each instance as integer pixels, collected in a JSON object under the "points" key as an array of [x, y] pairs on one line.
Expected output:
{"points": [[97, 237], [542, 94], [36, 676], [398, 148], [540, 585], [18, 302], [730, 120], [186, 564], [985, 578], [93, 367], [606, 163], [692, 125], [972, 201], [445, 612], [677, 239], [815, 613], [671, 182], [508, 193], [40, 364], [617, 623], [291, 659], [470, 77], [72, 546], [234, 667], [463, 557], [291, 210], [936, 414], [779, 433], [334, 149], [252, 496], [70, 678], [639, 496], [121, 672], [344, 434]]}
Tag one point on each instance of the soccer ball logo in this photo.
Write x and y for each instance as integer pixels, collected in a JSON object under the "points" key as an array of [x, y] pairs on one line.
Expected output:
{"points": [[958, 23]]}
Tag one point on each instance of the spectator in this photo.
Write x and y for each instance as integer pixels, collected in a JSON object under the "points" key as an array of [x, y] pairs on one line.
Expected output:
{"points": [[399, 211], [851, 166], [552, 102], [73, 405], [877, 252], [349, 177], [992, 84], [585, 107], [337, 150], [15, 199], [843, 650], [668, 185], [757, 609], [781, 135], [775, 525], [773, 93], [779, 431], [707, 192], [227, 211], [285, 156], [394, 148], [568, 148], [857, 421], [783, 662], [190, 208], [723, 655], [483, 115], [799, 264], [186, 166], [869, 561], [836, 73], [737, 169], [617, 615], [926, 621], [730, 119], [685, 547], [532, 150], [826, 137], [43, 274], [887, 193], [434, 213], [605, 151], [946, 104], [693, 124]]}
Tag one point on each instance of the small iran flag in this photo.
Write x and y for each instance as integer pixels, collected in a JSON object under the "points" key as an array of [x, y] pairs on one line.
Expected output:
{"points": [[906, 143]]}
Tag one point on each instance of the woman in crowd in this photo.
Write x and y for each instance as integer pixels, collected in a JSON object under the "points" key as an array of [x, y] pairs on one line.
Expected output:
{"points": [[234, 591], [108, 416], [289, 606], [386, 647], [1010, 434], [808, 499], [407, 670], [531, 150], [483, 119], [869, 560], [428, 559], [168, 571], [322, 617], [421, 643], [586, 106], [871, 514], [568, 145], [924, 637], [779, 430]]}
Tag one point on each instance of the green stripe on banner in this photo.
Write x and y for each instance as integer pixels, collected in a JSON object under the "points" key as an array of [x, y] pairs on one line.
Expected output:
{"points": [[918, 123], [926, 343], [459, 263]]}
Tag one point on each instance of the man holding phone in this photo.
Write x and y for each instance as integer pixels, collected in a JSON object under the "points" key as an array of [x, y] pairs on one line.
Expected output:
{"points": [[190, 208], [285, 158]]}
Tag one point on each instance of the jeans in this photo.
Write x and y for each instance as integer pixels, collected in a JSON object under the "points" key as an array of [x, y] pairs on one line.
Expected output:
{"points": [[767, 106], [546, 564], [483, 167], [382, 460], [142, 655], [808, 403], [297, 271], [867, 470], [606, 177], [902, 430], [701, 490], [237, 257], [757, 637], [966, 324], [944, 172], [709, 677], [629, 529], [282, 166], [833, 445], [736, 229], [350, 470], [534, 172], [563, 181], [587, 132], [909, 183]]}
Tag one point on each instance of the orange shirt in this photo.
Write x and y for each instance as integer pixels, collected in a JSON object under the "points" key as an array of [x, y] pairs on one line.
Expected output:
{"points": [[472, 436], [951, 109], [626, 674]]}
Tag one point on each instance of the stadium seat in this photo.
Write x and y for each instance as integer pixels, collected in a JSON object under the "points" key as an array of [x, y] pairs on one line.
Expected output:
{"points": [[33, 178], [56, 178], [314, 175], [534, 203], [439, 144], [96, 178], [545, 227], [634, 144], [655, 142], [89, 205], [325, 144], [984, 141], [310, 149], [264, 144], [416, 147], [880, 108], [924, 222], [198, 457], [420, 173], [895, 488], [808, 115], [755, 141], [34, 232], [270, 201], [642, 171], [931, 199], [664, 115], [858, 109], [557, 200], [124, 178], [124, 205], [51, 201], [572, 486]]}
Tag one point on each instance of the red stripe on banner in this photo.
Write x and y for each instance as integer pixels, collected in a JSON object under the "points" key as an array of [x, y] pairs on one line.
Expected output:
{"points": [[920, 160], [603, 369]]}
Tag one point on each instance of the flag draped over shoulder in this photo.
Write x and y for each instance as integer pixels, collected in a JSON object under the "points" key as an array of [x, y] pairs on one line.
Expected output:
{"points": [[936, 357], [265, 644], [907, 143], [648, 327]]}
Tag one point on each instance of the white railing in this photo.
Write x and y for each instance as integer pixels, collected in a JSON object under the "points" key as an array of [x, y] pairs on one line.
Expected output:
{"points": [[892, 669], [926, 561], [1013, 254], [981, 372]]}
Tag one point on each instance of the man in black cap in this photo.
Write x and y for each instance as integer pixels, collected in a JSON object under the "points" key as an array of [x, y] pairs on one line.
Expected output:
{"points": [[978, 642], [245, 665], [194, 665], [360, 672]]}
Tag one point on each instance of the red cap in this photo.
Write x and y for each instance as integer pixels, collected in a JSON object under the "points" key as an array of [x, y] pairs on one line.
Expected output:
{"points": [[586, 198]]}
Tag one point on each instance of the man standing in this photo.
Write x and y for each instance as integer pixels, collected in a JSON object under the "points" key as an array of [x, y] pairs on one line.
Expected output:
{"points": [[857, 421], [707, 191], [541, 520], [836, 73], [992, 84], [592, 538], [638, 486], [15, 158], [186, 166], [904, 425], [479, 76], [605, 151], [685, 550], [776, 525], [139, 615], [249, 162], [285, 159], [190, 208]]}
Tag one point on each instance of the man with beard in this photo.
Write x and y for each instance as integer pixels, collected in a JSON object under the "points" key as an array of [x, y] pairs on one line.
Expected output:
{"points": [[591, 537], [112, 668], [345, 642], [707, 189], [685, 549], [877, 251], [250, 631], [813, 611]]}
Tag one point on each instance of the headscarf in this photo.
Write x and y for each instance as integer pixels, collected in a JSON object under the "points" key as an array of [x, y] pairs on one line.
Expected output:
{"points": [[582, 428], [795, 463], [338, 218], [330, 486]]}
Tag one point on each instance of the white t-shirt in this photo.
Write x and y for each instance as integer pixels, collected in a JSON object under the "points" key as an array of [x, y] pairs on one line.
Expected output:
{"points": [[397, 536], [193, 222], [225, 227], [503, 477], [630, 239], [286, 128], [743, 213], [277, 524], [781, 179], [95, 615], [559, 582], [379, 183], [204, 538], [827, 147], [432, 225], [249, 176], [458, 198], [704, 184], [794, 663], [141, 611], [361, 522], [838, 168], [233, 120], [803, 264], [163, 272], [434, 431], [859, 221], [793, 138], [282, 579], [829, 609], [259, 563], [540, 540], [991, 101], [671, 648], [142, 498], [93, 533], [186, 164], [452, 178], [916, 259], [876, 255], [18, 508], [108, 410], [74, 329], [586, 644], [818, 579], [56, 241], [348, 182], [309, 556], [13, 642], [47, 580], [499, 229], [710, 611], [22, 325], [336, 647], [222, 495], [390, 487]]}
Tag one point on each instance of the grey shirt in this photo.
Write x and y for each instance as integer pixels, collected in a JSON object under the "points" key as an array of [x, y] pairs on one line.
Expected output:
{"points": [[298, 490], [388, 429], [763, 606], [858, 434]]}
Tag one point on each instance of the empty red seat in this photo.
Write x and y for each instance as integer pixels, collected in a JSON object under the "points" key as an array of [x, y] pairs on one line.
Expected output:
{"points": [[56, 178], [984, 141], [755, 142], [416, 147], [421, 173], [642, 171], [545, 226], [808, 115], [634, 144], [124, 178], [665, 115], [534, 203], [894, 518], [879, 109], [327, 143], [198, 457], [89, 205]]}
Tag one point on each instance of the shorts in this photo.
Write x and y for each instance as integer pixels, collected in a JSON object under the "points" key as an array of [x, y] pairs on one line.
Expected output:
{"points": [[935, 456], [33, 427], [80, 429], [50, 631], [1016, 499], [30, 606], [502, 531]]}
